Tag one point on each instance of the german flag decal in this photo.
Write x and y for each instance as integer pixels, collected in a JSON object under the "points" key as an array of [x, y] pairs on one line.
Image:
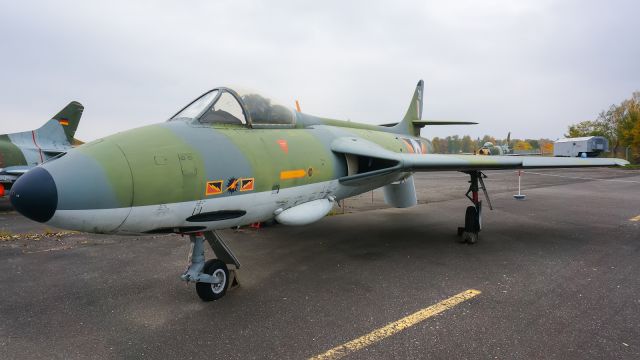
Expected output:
{"points": [[246, 184], [64, 122], [214, 187]]}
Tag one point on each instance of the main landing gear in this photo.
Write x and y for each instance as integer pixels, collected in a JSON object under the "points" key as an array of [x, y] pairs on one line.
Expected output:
{"points": [[214, 277], [472, 218]]}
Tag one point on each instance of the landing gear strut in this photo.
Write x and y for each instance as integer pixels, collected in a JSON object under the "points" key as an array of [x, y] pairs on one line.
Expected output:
{"points": [[472, 218], [214, 277]]}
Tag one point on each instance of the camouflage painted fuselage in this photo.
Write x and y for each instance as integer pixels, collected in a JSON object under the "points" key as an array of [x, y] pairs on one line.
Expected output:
{"points": [[10, 154], [183, 176], [232, 158]]}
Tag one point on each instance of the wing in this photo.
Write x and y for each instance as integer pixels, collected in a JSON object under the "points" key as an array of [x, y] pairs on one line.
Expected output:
{"points": [[10, 174], [371, 160], [15, 170]]}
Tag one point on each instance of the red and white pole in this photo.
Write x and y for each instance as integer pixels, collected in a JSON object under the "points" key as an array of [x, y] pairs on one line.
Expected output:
{"points": [[519, 196]]}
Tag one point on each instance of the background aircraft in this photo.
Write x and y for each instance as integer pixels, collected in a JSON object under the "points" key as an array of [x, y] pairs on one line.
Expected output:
{"points": [[22, 151], [232, 158], [490, 148]]}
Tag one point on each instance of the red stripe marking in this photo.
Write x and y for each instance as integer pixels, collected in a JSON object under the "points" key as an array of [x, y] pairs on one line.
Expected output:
{"points": [[33, 136]]}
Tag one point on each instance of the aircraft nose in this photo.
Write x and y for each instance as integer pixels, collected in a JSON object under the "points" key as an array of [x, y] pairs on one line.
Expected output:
{"points": [[35, 195]]}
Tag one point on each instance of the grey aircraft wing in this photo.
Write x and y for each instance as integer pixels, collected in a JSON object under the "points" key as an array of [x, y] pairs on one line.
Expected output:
{"points": [[378, 161]]}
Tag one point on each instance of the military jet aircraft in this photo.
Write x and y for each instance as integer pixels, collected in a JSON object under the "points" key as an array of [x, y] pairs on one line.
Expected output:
{"points": [[22, 151], [232, 158], [490, 148]]}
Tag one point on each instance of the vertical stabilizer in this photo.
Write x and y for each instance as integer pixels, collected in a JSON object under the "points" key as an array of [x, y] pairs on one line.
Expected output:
{"points": [[69, 118], [414, 112]]}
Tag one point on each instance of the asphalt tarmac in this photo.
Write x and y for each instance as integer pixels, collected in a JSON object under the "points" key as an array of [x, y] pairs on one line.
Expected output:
{"points": [[558, 276]]}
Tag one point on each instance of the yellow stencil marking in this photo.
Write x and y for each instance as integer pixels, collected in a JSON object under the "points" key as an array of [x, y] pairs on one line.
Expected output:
{"points": [[637, 218], [397, 326], [292, 174]]}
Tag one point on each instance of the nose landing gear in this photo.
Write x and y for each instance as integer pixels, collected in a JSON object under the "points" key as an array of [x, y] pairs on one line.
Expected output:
{"points": [[472, 219], [214, 277]]}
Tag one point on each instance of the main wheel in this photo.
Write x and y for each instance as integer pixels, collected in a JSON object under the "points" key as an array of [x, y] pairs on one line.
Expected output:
{"points": [[209, 292], [471, 219], [470, 237], [471, 225]]}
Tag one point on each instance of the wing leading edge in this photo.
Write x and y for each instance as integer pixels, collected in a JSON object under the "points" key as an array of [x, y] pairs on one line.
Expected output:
{"points": [[384, 162]]}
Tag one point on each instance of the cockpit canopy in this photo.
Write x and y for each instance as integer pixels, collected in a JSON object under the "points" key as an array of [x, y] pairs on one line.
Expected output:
{"points": [[227, 107]]}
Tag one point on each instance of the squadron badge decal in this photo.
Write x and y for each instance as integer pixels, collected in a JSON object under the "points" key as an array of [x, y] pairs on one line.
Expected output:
{"points": [[246, 184], [232, 185], [214, 187]]}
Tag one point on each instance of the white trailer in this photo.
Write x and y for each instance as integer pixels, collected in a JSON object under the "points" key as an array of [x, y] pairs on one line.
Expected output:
{"points": [[575, 147]]}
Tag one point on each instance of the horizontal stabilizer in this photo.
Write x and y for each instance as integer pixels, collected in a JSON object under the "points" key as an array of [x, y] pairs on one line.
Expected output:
{"points": [[421, 123]]}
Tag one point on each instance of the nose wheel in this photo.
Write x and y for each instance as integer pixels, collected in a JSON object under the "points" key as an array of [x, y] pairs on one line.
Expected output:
{"points": [[470, 233], [215, 276], [218, 287]]}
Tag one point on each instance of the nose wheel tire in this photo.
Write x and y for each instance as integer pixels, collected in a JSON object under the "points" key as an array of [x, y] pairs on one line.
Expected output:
{"points": [[210, 292]]}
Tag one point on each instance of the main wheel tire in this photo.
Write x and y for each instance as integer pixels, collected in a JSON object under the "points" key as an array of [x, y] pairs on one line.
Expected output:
{"points": [[471, 223], [470, 237], [210, 292]]}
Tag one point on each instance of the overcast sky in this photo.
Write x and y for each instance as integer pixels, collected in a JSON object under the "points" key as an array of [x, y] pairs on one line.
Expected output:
{"points": [[529, 67]]}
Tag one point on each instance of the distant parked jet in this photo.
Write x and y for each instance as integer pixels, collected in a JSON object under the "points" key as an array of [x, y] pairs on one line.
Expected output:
{"points": [[22, 151], [490, 148]]}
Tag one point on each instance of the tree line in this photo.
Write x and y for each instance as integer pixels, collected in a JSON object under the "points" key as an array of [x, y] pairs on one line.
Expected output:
{"points": [[620, 124], [465, 144]]}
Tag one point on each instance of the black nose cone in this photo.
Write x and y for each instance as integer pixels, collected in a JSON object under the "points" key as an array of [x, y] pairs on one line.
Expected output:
{"points": [[35, 195]]}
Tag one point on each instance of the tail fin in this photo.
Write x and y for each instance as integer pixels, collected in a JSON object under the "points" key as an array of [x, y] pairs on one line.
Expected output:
{"points": [[412, 123], [69, 118], [414, 112]]}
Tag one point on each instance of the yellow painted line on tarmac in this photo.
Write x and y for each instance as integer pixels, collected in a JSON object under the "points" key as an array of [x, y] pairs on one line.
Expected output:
{"points": [[637, 218], [396, 326]]}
